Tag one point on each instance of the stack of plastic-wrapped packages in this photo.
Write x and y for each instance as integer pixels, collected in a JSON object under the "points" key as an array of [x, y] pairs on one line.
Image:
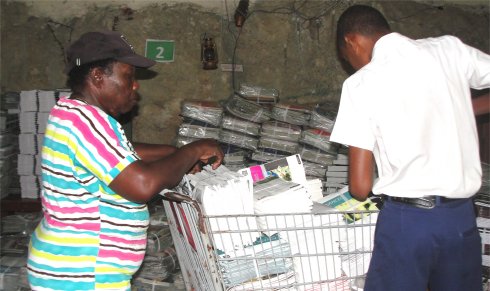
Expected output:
{"points": [[324, 156], [160, 264], [34, 106], [9, 128], [254, 127], [259, 95], [277, 139], [305, 130], [239, 138], [14, 240], [482, 206], [201, 119]]}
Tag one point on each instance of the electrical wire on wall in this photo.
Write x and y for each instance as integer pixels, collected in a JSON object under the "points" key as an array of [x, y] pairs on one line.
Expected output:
{"points": [[233, 62], [236, 37], [417, 13], [294, 7], [51, 26]]}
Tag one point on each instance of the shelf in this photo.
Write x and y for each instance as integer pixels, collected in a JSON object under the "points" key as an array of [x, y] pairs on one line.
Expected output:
{"points": [[13, 204]]}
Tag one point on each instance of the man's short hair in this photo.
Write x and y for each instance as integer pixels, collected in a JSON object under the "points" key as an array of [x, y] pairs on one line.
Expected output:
{"points": [[79, 74], [361, 19]]}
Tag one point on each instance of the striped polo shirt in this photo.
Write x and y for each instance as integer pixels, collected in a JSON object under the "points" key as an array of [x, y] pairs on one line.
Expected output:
{"points": [[90, 238]]}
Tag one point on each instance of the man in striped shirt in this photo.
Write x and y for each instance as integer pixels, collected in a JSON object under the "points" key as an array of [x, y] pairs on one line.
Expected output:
{"points": [[95, 182]]}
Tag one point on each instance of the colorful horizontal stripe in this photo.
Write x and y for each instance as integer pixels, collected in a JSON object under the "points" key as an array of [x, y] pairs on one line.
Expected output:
{"points": [[90, 237]]}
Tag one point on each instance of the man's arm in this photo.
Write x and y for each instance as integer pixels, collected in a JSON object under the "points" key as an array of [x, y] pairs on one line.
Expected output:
{"points": [[152, 152], [143, 179], [481, 104], [360, 172]]}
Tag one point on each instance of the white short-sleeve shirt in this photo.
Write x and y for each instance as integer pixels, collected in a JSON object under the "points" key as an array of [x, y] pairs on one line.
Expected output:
{"points": [[411, 106]]}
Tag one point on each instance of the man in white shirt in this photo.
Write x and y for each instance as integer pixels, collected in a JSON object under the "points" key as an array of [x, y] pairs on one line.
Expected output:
{"points": [[408, 108]]}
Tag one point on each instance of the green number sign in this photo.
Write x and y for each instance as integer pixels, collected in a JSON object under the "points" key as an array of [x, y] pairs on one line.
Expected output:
{"points": [[160, 50]]}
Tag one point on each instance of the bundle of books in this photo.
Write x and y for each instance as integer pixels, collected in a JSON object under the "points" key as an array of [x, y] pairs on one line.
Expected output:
{"points": [[293, 114], [197, 129], [160, 262], [239, 138], [235, 157], [34, 109], [323, 117], [232, 123], [9, 128], [319, 139], [338, 172], [279, 136], [15, 236], [266, 132], [206, 111], [245, 109], [258, 94], [482, 205], [201, 119]]}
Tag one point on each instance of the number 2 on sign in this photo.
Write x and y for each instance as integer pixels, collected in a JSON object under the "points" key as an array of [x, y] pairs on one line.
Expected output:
{"points": [[160, 54]]}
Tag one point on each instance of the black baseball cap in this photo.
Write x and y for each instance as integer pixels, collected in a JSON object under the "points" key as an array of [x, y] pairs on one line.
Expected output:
{"points": [[100, 45]]}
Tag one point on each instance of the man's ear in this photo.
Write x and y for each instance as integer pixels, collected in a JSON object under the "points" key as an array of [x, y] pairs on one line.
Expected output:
{"points": [[351, 42], [97, 76]]}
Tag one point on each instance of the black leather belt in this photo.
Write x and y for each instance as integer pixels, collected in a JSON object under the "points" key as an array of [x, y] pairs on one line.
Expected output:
{"points": [[426, 202]]}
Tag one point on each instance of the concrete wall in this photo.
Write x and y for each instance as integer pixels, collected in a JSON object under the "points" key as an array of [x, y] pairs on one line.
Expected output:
{"points": [[287, 45]]}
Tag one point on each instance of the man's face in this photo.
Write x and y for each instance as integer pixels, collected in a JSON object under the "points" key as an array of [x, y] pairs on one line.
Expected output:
{"points": [[118, 94]]}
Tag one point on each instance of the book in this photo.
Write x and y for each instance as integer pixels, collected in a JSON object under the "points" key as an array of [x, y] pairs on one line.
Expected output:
{"points": [[343, 162], [289, 168], [338, 168], [336, 179], [342, 200], [337, 174]]}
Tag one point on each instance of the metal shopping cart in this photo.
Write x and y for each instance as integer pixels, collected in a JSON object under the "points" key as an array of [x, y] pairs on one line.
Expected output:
{"points": [[327, 250]]}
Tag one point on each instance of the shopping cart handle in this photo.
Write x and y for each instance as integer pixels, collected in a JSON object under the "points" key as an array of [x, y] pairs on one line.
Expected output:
{"points": [[177, 197], [181, 198]]}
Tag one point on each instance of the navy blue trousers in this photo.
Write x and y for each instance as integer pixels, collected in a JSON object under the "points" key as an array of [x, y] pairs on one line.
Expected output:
{"points": [[416, 249]]}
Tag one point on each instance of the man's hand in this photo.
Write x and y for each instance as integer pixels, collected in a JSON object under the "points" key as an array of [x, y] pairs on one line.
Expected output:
{"points": [[211, 153]]}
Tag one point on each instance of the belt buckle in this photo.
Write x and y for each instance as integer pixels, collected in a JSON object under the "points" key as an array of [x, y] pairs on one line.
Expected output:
{"points": [[424, 203]]}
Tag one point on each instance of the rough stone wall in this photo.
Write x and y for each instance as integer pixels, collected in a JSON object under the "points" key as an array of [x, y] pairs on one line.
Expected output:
{"points": [[287, 45]]}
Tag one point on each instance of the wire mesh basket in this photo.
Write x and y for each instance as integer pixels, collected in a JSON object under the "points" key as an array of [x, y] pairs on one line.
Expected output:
{"points": [[323, 250]]}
